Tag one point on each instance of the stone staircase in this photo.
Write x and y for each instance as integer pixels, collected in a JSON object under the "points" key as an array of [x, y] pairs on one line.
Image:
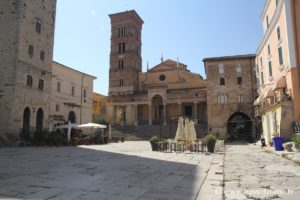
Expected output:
{"points": [[145, 132]]}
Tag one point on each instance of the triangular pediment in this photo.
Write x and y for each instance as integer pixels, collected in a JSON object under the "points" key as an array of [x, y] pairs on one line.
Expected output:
{"points": [[168, 65]]}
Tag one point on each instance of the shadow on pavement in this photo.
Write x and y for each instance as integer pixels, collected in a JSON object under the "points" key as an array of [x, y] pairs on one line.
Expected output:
{"points": [[80, 173]]}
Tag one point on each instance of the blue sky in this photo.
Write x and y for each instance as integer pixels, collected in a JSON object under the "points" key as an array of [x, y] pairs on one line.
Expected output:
{"points": [[188, 29]]}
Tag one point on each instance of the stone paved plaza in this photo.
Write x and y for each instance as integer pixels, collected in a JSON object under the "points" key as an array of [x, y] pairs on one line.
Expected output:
{"points": [[252, 173], [122, 171], [132, 171]]}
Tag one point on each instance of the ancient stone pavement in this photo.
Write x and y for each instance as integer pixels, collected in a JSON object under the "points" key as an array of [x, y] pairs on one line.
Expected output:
{"points": [[252, 173], [121, 171]]}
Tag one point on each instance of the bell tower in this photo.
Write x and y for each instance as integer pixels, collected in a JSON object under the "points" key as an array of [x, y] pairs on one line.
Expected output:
{"points": [[125, 54]]}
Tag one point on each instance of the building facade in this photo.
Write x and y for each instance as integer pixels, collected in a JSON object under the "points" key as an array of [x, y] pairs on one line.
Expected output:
{"points": [[231, 85], [277, 64], [99, 107], [71, 96], [26, 53]]}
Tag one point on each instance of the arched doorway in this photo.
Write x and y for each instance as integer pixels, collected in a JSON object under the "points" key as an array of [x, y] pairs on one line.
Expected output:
{"points": [[72, 117], [39, 119], [26, 120], [157, 109], [239, 126]]}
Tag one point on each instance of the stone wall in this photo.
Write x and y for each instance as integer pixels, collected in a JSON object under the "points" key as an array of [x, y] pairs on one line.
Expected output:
{"points": [[218, 114], [18, 31]]}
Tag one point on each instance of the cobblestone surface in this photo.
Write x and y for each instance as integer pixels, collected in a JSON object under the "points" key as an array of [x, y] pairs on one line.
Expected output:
{"points": [[252, 173], [122, 171]]}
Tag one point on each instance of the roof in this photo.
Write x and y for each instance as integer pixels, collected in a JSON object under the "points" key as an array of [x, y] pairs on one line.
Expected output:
{"points": [[74, 69], [127, 12], [229, 57], [168, 65]]}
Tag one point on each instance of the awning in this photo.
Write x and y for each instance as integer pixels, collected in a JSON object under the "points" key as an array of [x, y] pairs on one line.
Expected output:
{"points": [[280, 83], [257, 101], [268, 93]]}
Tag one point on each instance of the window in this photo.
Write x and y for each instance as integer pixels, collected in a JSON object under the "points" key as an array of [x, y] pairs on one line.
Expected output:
{"points": [[38, 27], [278, 34], [239, 80], [121, 82], [221, 68], [29, 81], [73, 91], [238, 67], [57, 107], [261, 62], [30, 50], [41, 84], [269, 50], [257, 70], [84, 93], [120, 48], [262, 77], [222, 81], [121, 64], [222, 98], [267, 21], [241, 98], [42, 55], [162, 77], [58, 88], [270, 69], [277, 1], [280, 56], [123, 48]]}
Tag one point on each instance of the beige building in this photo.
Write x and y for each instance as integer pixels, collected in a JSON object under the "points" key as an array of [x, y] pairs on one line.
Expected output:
{"points": [[231, 85], [99, 107], [277, 64], [26, 51], [71, 96]]}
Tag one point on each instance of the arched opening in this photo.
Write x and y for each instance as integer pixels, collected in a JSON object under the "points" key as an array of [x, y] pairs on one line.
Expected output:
{"points": [[72, 117], [26, 120], [39, 119], [157, 109], [239, 126]]}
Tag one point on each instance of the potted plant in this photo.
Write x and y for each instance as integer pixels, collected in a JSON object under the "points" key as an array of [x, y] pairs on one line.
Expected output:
{"points": [[210, 140], [277, 141], [153, 141], [296, 140]]}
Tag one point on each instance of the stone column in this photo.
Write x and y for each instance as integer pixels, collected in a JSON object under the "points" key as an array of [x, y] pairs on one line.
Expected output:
{"points": [[165, 113], [179, 109], [135, 117], [150, 114], [196, 113], [113, 115]]}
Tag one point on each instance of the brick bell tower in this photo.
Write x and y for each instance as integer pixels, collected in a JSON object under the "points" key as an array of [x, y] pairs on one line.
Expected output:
{"points": [[125, 54]]}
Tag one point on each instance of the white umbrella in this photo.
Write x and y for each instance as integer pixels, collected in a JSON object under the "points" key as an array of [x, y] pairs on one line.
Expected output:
{"points": [[180, 131], [91, 125], [193, 135], [69, 126]]}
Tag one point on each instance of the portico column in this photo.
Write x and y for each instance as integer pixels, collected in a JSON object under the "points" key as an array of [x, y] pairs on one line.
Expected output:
{"points": [[196, 113], [165, 113], [135, 114], [113, 115], [150, 114], [179, 108]]}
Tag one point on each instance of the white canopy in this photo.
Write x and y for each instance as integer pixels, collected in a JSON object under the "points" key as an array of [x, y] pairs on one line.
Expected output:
{"points": [[92, 125]]}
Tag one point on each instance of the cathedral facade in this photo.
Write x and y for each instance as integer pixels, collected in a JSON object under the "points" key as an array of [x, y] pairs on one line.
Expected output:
{"points": [[164, 92]]}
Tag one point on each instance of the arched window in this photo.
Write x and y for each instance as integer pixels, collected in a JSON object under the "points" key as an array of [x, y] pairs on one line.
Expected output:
{"points": [[26, 120], [39, 119], [72, 117]]}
